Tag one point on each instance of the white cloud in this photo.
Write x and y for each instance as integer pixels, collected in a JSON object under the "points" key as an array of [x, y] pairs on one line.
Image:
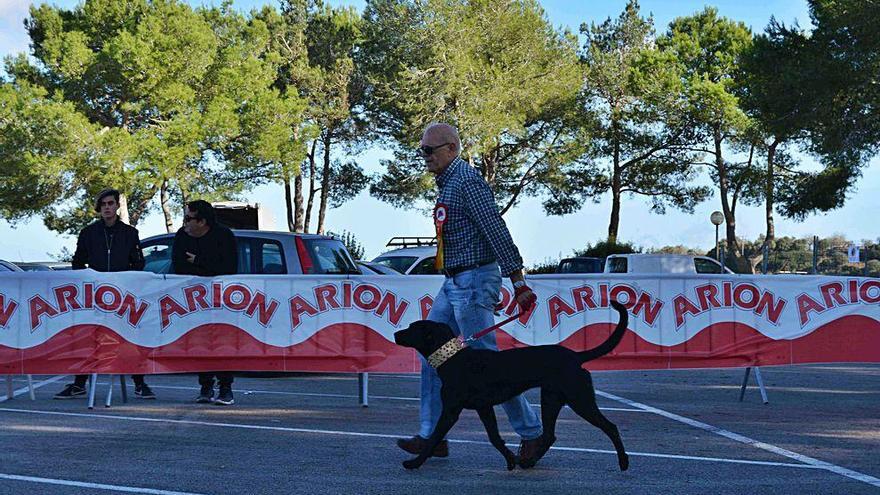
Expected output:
{"points": [[13, 37], [9, 8]]}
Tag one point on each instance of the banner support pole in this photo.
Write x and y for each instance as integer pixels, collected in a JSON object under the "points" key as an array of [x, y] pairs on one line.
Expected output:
{"points": [[364, 389], [758, 379], [93, 385]]}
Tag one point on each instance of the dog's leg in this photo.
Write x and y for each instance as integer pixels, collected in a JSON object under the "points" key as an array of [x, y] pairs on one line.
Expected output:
{"points": [[444, 424], [584, 404], [490, 422], [551, 404]]}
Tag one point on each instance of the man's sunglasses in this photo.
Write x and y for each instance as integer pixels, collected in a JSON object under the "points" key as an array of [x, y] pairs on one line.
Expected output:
{"points": [[427, 151], [187, 218]]}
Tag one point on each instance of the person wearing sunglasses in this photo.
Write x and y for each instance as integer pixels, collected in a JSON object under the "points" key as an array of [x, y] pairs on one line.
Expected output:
{"points": [[107, 245], [205, 248], [474, 250]]}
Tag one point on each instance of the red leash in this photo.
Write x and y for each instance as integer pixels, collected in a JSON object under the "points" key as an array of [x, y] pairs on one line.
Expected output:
{"points": [[494, 327]]}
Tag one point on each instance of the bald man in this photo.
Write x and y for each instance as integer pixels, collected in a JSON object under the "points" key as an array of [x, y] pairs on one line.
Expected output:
{"points": [[474, 251]]}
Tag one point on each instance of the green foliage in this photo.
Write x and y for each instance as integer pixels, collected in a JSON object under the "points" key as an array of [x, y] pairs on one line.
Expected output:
{"points": [[639, 127], [544, 267], [168, 93], [65, 255], [707, 50], [678, 249], [495, 69], [820, 88], [846, 48], [315, 45], [351, 243], [44, 144], [602, 249]]}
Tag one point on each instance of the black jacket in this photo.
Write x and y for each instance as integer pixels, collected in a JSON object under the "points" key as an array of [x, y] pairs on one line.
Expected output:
{"points": [[216, 253], [108, 249]]}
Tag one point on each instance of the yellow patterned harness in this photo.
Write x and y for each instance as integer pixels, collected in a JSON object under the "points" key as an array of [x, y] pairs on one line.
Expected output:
{"points": [[446, 351]]}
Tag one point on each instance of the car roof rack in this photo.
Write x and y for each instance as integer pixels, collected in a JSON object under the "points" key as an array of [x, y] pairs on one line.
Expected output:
{"points": [[406, 242]]}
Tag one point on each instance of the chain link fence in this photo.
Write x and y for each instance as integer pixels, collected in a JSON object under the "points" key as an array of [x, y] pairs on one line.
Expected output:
{"points": [[828, 256]]}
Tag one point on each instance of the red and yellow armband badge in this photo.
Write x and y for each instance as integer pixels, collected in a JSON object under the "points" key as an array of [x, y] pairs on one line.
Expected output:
{"points": [[441, 212]]}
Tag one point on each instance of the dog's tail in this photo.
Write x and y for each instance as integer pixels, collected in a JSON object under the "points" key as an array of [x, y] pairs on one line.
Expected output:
{"points": [[613, 340]]}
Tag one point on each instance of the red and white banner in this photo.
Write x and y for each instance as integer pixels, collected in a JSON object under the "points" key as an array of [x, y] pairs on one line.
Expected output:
{"points": [[85, 321]]}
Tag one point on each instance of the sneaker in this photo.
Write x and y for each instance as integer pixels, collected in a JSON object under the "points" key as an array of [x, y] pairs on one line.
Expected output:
{"points": [[206, 395], [415, 445], [224, 398], [71, 391], [143, 391]]}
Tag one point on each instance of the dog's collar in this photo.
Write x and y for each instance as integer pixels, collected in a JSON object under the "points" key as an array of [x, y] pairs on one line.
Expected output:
{"points": [[446, 351]]}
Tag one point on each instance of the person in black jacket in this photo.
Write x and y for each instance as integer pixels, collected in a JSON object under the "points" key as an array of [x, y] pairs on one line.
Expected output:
{"points": [[205, 248], [107, 245]]}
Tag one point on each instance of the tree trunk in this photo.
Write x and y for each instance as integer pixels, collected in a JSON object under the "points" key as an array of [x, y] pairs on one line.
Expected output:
{"points": [[288, 200], [614, 222], [166, 209], [123, 208], [325, 184], [312, 187], [490, 167], [298, 202], [732, 247], [768, 193], [134, 215]]}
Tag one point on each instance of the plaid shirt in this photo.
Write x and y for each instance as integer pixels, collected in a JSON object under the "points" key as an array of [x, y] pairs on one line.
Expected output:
{"points": [[473, 233]]}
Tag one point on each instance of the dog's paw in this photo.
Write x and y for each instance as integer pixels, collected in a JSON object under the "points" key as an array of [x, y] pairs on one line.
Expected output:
{"points": [[413, 463], [512, 461], [624, 462]]}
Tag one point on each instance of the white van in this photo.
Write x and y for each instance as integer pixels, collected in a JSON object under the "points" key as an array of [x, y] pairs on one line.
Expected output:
{"points": [[414, 256], [662, 263]]}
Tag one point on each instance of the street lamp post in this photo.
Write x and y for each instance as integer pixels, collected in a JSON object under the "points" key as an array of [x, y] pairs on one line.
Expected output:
{"points": [[717, 218]]}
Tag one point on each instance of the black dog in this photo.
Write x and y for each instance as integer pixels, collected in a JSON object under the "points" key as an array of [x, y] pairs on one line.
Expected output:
{"points": [[480, 379]]}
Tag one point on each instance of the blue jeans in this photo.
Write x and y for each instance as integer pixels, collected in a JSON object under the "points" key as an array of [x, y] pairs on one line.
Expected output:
{"points": [[466, 303]]}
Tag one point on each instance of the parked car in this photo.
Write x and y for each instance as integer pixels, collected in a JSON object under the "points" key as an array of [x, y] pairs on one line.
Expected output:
{"points": [[266, 252], [370, 268], [6, 266], [414, 256], [581, 264], [34, 266], [662, 263]]}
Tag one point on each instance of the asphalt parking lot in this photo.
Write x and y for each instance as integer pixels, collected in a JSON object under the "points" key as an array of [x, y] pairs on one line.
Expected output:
{"points": [[686, 433]]}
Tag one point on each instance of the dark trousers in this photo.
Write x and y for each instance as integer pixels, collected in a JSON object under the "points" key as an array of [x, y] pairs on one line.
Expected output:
{"points": [[80, 380], [224, 377]]}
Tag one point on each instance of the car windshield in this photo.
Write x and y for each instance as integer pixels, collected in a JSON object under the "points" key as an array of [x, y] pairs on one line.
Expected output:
{"points": [[157, 257], [616, 265], [330, 257], [580, 266], [399, 263]]}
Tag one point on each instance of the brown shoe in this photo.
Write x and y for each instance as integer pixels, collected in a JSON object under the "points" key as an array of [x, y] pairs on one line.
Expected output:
{"points": [[529, 452], [415, 445]]}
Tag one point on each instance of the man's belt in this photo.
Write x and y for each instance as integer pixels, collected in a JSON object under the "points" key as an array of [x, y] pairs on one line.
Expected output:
{"points": [[451, 272]]}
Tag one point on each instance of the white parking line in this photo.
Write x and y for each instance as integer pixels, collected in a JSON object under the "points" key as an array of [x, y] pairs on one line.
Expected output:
{"points": [[96, 486], [748, 441], [24, 390], [385, 435], [352, 396]]}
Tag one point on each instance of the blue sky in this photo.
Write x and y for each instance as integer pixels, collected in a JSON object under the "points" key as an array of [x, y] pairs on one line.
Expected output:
{"points": [[538, 236]]}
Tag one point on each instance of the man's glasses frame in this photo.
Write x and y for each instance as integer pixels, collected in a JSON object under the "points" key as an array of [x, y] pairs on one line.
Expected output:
{"points": [[427, 151], [187, 218]]}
